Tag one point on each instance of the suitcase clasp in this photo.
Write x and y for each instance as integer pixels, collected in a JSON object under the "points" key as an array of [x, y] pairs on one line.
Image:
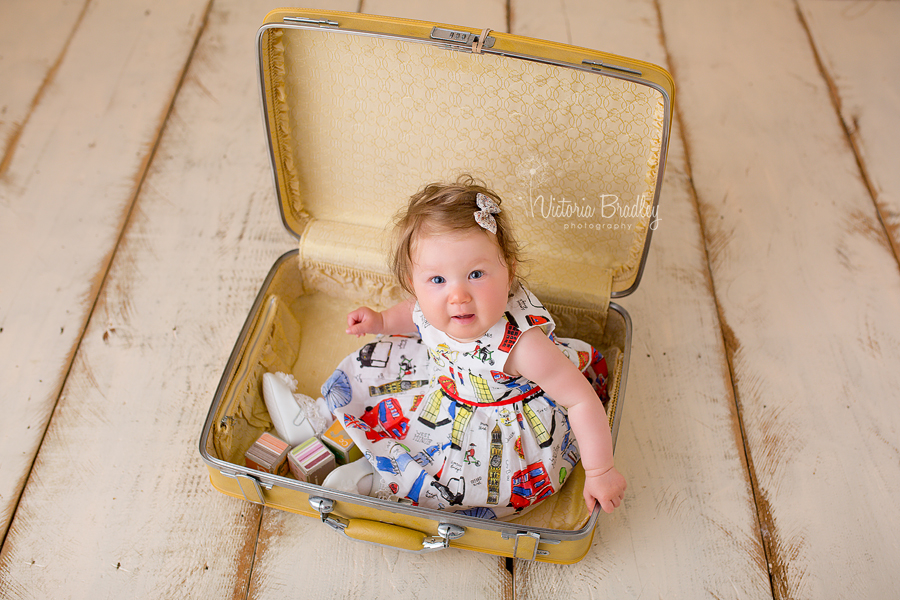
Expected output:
{"points": [[464, 38], [448, 532], [325, 506]]}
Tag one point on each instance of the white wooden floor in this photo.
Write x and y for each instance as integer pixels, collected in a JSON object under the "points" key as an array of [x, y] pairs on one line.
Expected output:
{"points": [[761, 432]]}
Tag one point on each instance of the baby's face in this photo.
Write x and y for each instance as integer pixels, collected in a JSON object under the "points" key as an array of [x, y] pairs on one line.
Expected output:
{"points": [[460, 282]]}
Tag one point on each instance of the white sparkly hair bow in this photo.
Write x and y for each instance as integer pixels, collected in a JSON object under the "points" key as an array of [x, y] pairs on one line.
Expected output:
{"points": [[485, 216]]}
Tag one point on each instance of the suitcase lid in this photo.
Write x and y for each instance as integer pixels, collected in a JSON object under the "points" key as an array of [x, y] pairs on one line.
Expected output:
{"points": [[362, 111]]}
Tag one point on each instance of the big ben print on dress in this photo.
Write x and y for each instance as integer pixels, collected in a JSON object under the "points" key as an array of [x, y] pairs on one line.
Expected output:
{"points": [[470, 437], [494, 464]]}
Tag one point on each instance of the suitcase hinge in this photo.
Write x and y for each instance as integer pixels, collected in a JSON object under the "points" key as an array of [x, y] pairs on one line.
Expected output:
{"points": [[464, 38], [307, 21], [597, 66], [251, 487], [527, 542]]}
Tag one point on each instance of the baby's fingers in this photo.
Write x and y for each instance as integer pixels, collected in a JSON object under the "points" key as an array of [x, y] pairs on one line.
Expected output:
{"points": [[611, 504], [358, 324], [607, 505], [357, 317]]}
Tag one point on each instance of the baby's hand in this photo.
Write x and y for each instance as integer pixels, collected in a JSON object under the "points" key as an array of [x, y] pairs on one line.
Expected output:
{"points": [[364, 320], [606, 488]]}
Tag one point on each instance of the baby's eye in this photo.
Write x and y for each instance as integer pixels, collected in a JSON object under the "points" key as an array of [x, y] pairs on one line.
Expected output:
{"points": [[437, 279], [476, 274]]}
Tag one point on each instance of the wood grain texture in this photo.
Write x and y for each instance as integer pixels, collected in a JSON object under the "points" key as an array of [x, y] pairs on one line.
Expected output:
{"points": [[688, 528], [65, 195], [335, 567], [808, 290], [486, 13], [34, 36], [853, 40], [119, 504]]}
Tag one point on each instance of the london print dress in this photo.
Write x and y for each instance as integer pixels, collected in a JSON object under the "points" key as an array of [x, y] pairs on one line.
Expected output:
{"points": [[446, 428]]}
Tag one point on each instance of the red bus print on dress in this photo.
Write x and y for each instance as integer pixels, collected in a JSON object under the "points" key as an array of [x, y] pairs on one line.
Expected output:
{"points": [[386, 420], [530, 485]]}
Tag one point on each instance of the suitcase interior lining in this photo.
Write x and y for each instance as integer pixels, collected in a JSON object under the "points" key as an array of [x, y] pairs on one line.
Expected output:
{"points": [[299, 329]]}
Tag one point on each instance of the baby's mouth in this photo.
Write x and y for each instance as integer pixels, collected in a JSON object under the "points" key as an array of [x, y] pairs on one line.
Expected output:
{"points": [[463, 318]]}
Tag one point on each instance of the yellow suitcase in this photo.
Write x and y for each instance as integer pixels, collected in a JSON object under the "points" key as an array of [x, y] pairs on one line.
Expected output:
{"points": [[360, 112]]}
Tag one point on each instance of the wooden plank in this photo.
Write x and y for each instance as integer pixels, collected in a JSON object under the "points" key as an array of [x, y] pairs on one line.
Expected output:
{"points": [[688, 528], [857, 48], [119, 504], [291, 548], [808, 290], [64, 197], [34, 35]]}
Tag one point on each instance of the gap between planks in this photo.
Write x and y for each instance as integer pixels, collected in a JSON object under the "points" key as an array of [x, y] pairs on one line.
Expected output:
{"points": [[766, 527], [729, 341], [13, 140], [892, 233], [251, 560]]}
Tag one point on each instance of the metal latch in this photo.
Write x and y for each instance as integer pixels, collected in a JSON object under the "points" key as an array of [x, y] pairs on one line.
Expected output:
{"points": [[447, 532], [325, 506], [463, 38], [307, 21], [597, 65]]}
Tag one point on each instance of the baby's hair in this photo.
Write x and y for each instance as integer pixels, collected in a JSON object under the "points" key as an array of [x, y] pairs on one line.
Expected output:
{"points": [[447, 207]]}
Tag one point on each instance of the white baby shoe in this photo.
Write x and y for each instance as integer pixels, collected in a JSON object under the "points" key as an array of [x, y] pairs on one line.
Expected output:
{"points": [[296, 417], [358, 477]]}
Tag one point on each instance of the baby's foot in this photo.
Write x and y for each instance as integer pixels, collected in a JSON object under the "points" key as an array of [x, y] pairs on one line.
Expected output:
{"points": [[358, 477], [296, 417]]}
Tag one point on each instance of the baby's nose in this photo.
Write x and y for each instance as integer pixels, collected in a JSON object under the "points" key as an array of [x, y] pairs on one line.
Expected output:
{"points": [[459, 295]]}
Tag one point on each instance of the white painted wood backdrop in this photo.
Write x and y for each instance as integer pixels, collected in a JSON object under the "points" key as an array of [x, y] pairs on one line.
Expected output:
{"points": [[137, 221], [82, 130]]}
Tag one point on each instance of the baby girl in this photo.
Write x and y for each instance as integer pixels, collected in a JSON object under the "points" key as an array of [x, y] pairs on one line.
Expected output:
{"points": [[469, 402]]}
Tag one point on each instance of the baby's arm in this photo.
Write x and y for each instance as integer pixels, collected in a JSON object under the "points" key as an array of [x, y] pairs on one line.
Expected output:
{"points": [[394, 320], [537, 358]]}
